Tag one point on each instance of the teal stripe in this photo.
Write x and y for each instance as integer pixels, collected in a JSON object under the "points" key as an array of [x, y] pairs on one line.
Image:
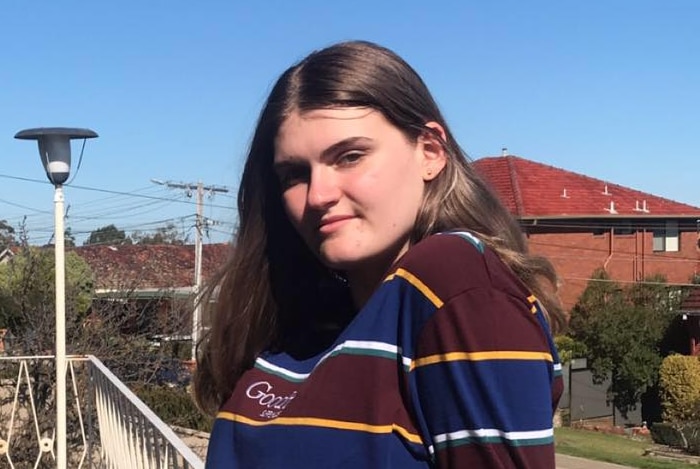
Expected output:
{"points": [[476, 242], [363, 352], [491, 440]]}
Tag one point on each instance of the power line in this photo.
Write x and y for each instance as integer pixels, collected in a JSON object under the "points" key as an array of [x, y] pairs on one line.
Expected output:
{"points": [[130, 194]]}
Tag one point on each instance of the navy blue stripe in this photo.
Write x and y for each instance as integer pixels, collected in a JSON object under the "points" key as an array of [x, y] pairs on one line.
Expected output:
{"points": [[470, 395], [239, 445]]}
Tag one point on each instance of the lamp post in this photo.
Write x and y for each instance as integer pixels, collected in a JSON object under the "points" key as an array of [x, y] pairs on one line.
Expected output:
{"points": [[54, 150]]}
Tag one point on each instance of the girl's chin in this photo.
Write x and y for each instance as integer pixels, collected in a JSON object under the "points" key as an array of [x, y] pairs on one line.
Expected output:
{"points": [[340, 263]]}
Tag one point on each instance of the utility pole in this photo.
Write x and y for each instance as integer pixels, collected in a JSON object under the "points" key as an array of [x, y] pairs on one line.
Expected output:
{"points": [[199, 225]]}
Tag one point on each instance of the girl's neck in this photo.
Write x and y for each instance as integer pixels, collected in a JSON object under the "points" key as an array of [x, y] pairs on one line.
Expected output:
{"points": [[362, 286], [365, 280]]}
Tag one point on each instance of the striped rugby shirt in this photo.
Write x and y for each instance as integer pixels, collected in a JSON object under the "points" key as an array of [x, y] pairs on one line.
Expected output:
{"points": [[449, 364]]}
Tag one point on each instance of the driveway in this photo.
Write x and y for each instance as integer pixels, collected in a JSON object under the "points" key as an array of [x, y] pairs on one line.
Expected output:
{"points": [[572, 462]]}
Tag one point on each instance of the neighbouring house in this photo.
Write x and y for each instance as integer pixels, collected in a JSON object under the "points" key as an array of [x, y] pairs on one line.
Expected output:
{"points": [[6, 254], [582, 224], [690, 314], [151, 281]]}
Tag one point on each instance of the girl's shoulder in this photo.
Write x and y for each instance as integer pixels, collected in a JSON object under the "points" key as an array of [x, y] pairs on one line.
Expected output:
{"points": [[445, 250], [452, 262]]}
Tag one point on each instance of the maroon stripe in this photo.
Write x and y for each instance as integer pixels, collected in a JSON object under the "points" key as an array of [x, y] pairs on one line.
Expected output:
{"points": [[496, 456], [483, 320], [354, 388]]}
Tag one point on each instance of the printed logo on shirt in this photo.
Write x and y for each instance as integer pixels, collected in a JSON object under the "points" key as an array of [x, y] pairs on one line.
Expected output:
{"points": [[274, 404]]}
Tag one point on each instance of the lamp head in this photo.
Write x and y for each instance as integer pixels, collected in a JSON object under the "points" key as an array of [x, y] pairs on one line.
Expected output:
{"points": [[54, 148]]}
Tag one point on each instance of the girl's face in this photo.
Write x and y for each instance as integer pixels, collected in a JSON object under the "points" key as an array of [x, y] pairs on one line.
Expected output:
{"points": [[352, 184]]}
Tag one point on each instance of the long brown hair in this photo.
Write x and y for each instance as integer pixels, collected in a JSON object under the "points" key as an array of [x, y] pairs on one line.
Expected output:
{"points": [[272, 278]]}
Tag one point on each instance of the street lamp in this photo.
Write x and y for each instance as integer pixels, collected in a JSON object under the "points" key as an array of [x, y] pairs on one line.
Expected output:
{"points": [[54, 150]]}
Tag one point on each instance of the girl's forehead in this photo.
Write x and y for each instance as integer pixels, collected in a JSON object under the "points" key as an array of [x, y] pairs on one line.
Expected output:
{"points": [[321, 126]]}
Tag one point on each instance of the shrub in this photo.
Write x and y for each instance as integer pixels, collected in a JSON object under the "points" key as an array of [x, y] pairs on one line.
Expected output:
{"points": [[569, 348], [679, 383], [174, 406], [664, 433]]}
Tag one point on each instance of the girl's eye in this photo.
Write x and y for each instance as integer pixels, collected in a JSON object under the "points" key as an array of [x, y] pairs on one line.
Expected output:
{"points": [[291, 176], [349, 158]]}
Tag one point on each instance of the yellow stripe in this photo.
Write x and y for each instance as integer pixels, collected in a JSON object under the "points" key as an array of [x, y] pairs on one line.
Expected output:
{"points": [[423, 288], [480, 356], [532, 299], [325, 423]]}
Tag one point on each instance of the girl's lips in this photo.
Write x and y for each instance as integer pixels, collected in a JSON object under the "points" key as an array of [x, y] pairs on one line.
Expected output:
{"points": [[332, 224]]}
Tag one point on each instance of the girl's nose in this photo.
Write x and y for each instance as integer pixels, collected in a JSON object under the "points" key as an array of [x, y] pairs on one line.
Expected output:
{"points": [[323, 189]]}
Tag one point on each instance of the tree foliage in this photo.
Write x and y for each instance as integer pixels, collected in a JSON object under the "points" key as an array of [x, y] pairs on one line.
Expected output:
{"points": [[168, 234], [109, 234], [69, 238], [27, 295], [569, 348], [622, 328]]}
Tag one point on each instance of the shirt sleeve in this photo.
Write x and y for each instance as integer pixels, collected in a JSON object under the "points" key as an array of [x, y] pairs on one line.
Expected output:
{"points": [[482, 382], [484, 378]]}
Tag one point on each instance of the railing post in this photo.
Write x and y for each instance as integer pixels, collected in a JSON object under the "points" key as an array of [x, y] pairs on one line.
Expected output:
{"points": [[90, 403], [130, 434]]}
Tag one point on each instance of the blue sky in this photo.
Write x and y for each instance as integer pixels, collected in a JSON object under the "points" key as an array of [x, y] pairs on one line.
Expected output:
{"points": [[610, 89]]}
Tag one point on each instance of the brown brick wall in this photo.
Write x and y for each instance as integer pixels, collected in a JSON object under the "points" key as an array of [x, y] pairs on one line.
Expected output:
{"points": [[626, 258]]}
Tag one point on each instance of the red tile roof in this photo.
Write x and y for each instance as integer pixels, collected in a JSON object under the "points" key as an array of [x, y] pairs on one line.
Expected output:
{"points": [[148, 266], [530, 190]]}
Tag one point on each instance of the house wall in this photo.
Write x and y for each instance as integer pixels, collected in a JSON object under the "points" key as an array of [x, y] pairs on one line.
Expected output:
{"points": [[626, 257]]}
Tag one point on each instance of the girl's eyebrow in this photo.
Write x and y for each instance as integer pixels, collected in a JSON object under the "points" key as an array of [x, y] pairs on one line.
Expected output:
{"points": [[341, 145], [327, 153]]}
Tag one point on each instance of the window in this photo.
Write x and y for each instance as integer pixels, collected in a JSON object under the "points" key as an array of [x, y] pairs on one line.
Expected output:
{"points": [[666, 239]]}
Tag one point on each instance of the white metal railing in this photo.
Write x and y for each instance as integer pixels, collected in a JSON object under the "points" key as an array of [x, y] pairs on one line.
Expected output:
{"points": [[108, 425]]}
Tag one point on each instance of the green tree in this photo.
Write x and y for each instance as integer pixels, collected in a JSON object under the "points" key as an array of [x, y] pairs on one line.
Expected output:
{"points": [[569, 348], [167, 234], [622, 328], [109, 234], [69, 238], [27, 290]]}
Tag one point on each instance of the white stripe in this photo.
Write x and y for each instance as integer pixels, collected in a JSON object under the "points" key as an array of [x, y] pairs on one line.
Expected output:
{"points": [[355, 344], [493, 432], [370, 345], [283, 371]]}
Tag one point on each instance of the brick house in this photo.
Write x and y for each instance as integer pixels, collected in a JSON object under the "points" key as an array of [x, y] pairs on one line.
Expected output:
{"points": [[582, 224], [151, 281]]}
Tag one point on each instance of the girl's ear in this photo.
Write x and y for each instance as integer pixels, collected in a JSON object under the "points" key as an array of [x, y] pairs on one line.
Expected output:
{"points": [[432, 148]]}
